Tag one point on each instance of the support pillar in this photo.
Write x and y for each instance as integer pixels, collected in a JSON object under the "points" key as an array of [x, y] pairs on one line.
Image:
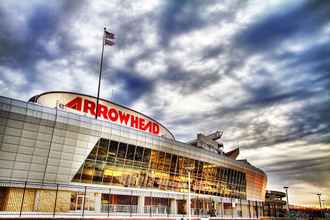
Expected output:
{"points": [[36, 201], [98, 203], [21, 209], [233, 208], [55, 202], [174, 207], [216, 208], [141, 204], [187, 209], [257, 210], [83, 202]]}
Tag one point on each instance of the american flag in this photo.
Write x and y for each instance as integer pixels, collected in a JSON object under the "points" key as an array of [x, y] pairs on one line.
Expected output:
{"points": [[108, 38]]}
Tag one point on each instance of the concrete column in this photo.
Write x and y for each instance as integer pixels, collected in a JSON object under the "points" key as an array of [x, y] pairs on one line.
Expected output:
{"points": [[36, 201], [233, 208], [174, 207], [141, 205], [98, 204], [216, 208]]}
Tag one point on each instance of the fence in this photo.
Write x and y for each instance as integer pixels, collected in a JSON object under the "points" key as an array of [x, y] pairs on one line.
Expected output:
{"points": [[19, 199]]}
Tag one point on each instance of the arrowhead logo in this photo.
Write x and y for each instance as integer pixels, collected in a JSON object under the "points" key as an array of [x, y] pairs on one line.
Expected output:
{"points": [[112, 114]]}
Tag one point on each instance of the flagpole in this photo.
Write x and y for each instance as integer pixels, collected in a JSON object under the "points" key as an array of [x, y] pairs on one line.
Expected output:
{"points": [[98, 89]]}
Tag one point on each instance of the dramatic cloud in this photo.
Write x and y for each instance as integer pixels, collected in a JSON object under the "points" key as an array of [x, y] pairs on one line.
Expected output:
{"points": [[260, 71]]}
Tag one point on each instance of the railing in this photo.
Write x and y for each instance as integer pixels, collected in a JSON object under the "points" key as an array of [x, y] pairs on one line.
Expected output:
{"points": [[119, 208], [199, 212], [157, 210], [55, 200]]}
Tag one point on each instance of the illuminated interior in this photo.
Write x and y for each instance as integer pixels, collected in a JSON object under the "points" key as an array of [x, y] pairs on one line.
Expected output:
{"points": [[116, 163]]}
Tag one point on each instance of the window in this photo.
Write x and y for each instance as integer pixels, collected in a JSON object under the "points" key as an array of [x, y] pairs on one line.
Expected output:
{"points": [[161, 160], [103, 149], [138, 158], [107, 176], [173, 164], [93, 153], [167, 163], [122, 150], [146, 156], [98, 173], [88, 172], [130, 152], [139, 154], [112, 153], [154, 159], [180, 166], [137, 166]]}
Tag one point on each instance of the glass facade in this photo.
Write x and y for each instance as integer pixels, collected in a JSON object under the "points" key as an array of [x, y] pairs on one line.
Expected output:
{"points": [[116, 163]]}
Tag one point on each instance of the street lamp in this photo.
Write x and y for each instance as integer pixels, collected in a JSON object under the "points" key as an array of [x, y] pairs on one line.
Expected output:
{"points": [[319, 195], [323, 203], [188, 170], [287, 198]]}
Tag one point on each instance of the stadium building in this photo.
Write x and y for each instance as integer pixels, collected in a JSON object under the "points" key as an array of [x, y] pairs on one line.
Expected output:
{"points": [[58, 157]]}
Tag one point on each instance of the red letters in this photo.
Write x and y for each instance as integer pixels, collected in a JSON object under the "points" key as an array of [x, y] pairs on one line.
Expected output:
{"points": [[113, 115], [148, 126], [75, 103], [89, 107], [155, 128], [123, 117], [102, 110], [141, 124], [134, 121]]}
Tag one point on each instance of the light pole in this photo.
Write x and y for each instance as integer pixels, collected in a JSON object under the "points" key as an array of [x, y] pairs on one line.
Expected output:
{"points": [[188, 169], [287, 198], [323, 203], [319, 195]]}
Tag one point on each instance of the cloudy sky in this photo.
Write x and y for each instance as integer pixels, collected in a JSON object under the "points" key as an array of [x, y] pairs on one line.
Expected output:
{"points": [[259, 70]]}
